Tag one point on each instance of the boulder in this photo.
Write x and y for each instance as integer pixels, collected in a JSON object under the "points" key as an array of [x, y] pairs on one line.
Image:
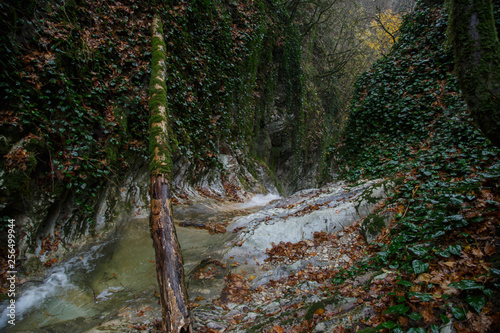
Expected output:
{"points": [[298, 217]]}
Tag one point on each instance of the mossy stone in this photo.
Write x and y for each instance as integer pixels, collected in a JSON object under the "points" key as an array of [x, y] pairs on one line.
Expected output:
{"points": [[372, 226]]}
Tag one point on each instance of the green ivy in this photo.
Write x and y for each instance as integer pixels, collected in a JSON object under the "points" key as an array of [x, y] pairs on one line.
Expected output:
{"points": [[408, 118]]}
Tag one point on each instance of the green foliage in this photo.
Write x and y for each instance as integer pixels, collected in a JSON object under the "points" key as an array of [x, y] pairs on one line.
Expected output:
{"points": [[73, 77], [231, 67], [408, 119], [400, 309], [211, 74], [76, 77]]}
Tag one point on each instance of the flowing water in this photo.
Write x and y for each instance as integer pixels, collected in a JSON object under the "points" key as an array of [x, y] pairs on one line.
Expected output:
{"points": [[97, 282]]}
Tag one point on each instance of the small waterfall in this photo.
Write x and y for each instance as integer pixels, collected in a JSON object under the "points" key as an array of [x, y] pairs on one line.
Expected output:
{"points": [[259, 200], [97, 282], [58, 282]]}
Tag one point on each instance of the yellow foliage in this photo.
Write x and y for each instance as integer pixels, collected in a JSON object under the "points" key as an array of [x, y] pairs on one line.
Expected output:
{"points": [[382, 31]]}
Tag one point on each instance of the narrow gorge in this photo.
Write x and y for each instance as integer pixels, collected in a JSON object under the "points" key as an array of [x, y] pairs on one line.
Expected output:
{"points": [[327, 172]]}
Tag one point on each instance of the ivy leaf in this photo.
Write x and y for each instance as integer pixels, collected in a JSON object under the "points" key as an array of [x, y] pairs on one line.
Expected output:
{"points": [[400, 308], [455, 249], [458, 313], [419, 266], [495, 271], [457, 220], [418, 250], [476, 302], [422, 296], [444, 253], [444, 318], [405, 283], [467, 285], [488, 292], [388, 324], [415, 316], [416, 330]]}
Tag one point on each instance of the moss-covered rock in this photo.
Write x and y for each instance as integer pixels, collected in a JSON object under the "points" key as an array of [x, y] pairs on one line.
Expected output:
{"points": [[373, 225]]}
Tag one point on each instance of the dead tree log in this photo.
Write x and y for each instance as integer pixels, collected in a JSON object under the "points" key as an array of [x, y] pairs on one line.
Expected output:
{"points": [[169, 267]]}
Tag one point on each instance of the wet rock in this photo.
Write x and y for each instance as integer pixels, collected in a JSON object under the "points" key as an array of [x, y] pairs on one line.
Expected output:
{"points": [[234, 181], [450, 328], [363, 279], [251, 316], [373, 225], [345, 258], [306, 212], [272, 307], [282, 271], [348, 318], [216, 326], [381, 276], [320, 328]]}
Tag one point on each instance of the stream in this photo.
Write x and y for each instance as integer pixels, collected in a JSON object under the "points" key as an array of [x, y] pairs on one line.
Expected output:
{"points": [[94, 284]]}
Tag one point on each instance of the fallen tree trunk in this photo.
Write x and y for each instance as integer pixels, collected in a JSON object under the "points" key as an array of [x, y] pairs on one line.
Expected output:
{"points": [[169, 267]]}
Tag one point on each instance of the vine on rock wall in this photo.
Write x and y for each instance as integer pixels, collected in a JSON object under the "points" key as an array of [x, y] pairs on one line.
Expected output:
{"points": [[75, 80], [408, 120], [74, 106]]}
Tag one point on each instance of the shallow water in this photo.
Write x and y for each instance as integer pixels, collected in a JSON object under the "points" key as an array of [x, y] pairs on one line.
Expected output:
{"points": [[102, 279]]}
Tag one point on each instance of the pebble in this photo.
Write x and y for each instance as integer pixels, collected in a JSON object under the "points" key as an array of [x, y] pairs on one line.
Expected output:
{"points": [[321, 327]]}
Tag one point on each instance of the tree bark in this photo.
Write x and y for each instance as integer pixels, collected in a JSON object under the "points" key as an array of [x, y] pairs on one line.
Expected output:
{"points": [[477, 61], [169, 266]]}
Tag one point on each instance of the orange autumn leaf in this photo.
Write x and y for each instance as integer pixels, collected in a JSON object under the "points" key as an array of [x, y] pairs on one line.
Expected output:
{"points": [[450, 263], [278, 329], [403, 321], [319, 311], [489, 249]]}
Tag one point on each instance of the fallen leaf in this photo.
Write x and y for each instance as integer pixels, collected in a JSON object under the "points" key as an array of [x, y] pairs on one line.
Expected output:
{"points": [[477, 253], [319, 311], [461, 328], [278, 329], [482, 323], [489, 249], [424, 277], [427, 313]]}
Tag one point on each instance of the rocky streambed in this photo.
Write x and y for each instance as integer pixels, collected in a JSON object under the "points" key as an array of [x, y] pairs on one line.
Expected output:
{"points": [[270, 270]]}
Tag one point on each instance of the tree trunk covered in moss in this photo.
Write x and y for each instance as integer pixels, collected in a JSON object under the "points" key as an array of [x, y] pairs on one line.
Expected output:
{"points": [[169, 269], [477, 61]]}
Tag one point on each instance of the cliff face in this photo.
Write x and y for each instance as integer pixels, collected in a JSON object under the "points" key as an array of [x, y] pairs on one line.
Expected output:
{"points": [[75, 107]]}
